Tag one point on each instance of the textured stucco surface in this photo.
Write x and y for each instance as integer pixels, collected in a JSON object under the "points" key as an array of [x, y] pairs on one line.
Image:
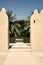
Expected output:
{"points": [[3, 30], [37, 31]]}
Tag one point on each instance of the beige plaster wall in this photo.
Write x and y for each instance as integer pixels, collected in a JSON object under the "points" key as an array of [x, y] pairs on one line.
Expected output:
{"points": [[37, 31], [3, 30]]}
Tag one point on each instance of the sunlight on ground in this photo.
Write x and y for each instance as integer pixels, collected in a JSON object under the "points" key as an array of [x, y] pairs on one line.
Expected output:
{"points": [[19, 58], [37, 56], [3, 57]]}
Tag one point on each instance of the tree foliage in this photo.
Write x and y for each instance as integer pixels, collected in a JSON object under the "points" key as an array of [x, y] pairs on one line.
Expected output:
{"points": [[13, 27]]}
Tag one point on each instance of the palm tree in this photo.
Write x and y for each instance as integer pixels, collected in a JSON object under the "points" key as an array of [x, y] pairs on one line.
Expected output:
{"points": [[27, 28], [27, 25], [29, 15], [16, 28], [11, 19]]}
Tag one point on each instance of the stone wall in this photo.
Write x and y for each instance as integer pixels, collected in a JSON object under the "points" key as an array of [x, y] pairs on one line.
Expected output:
{"points": [[36, 36], [3, 30]]}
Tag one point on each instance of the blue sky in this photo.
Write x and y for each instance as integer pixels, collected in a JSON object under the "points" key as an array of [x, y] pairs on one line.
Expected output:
{"points": [[22, 7]]}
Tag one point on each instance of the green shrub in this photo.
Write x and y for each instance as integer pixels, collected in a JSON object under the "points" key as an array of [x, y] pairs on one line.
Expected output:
{"points": [[11, 39], [26, 40]]}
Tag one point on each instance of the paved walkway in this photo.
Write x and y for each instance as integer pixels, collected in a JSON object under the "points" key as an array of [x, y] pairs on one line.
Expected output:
{"points": [[20, 45], [19, 58]]}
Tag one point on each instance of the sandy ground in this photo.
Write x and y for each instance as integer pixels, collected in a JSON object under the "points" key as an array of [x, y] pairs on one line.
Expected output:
{"points": [[3, 57], [37, 56], [22, 56]]}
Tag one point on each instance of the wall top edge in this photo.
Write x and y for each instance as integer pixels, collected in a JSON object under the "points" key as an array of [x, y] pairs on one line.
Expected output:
{"points": [[3, 10]]}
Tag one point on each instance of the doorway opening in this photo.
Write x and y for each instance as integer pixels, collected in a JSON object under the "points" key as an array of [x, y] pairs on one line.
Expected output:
{"points": [[19, 32]]}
